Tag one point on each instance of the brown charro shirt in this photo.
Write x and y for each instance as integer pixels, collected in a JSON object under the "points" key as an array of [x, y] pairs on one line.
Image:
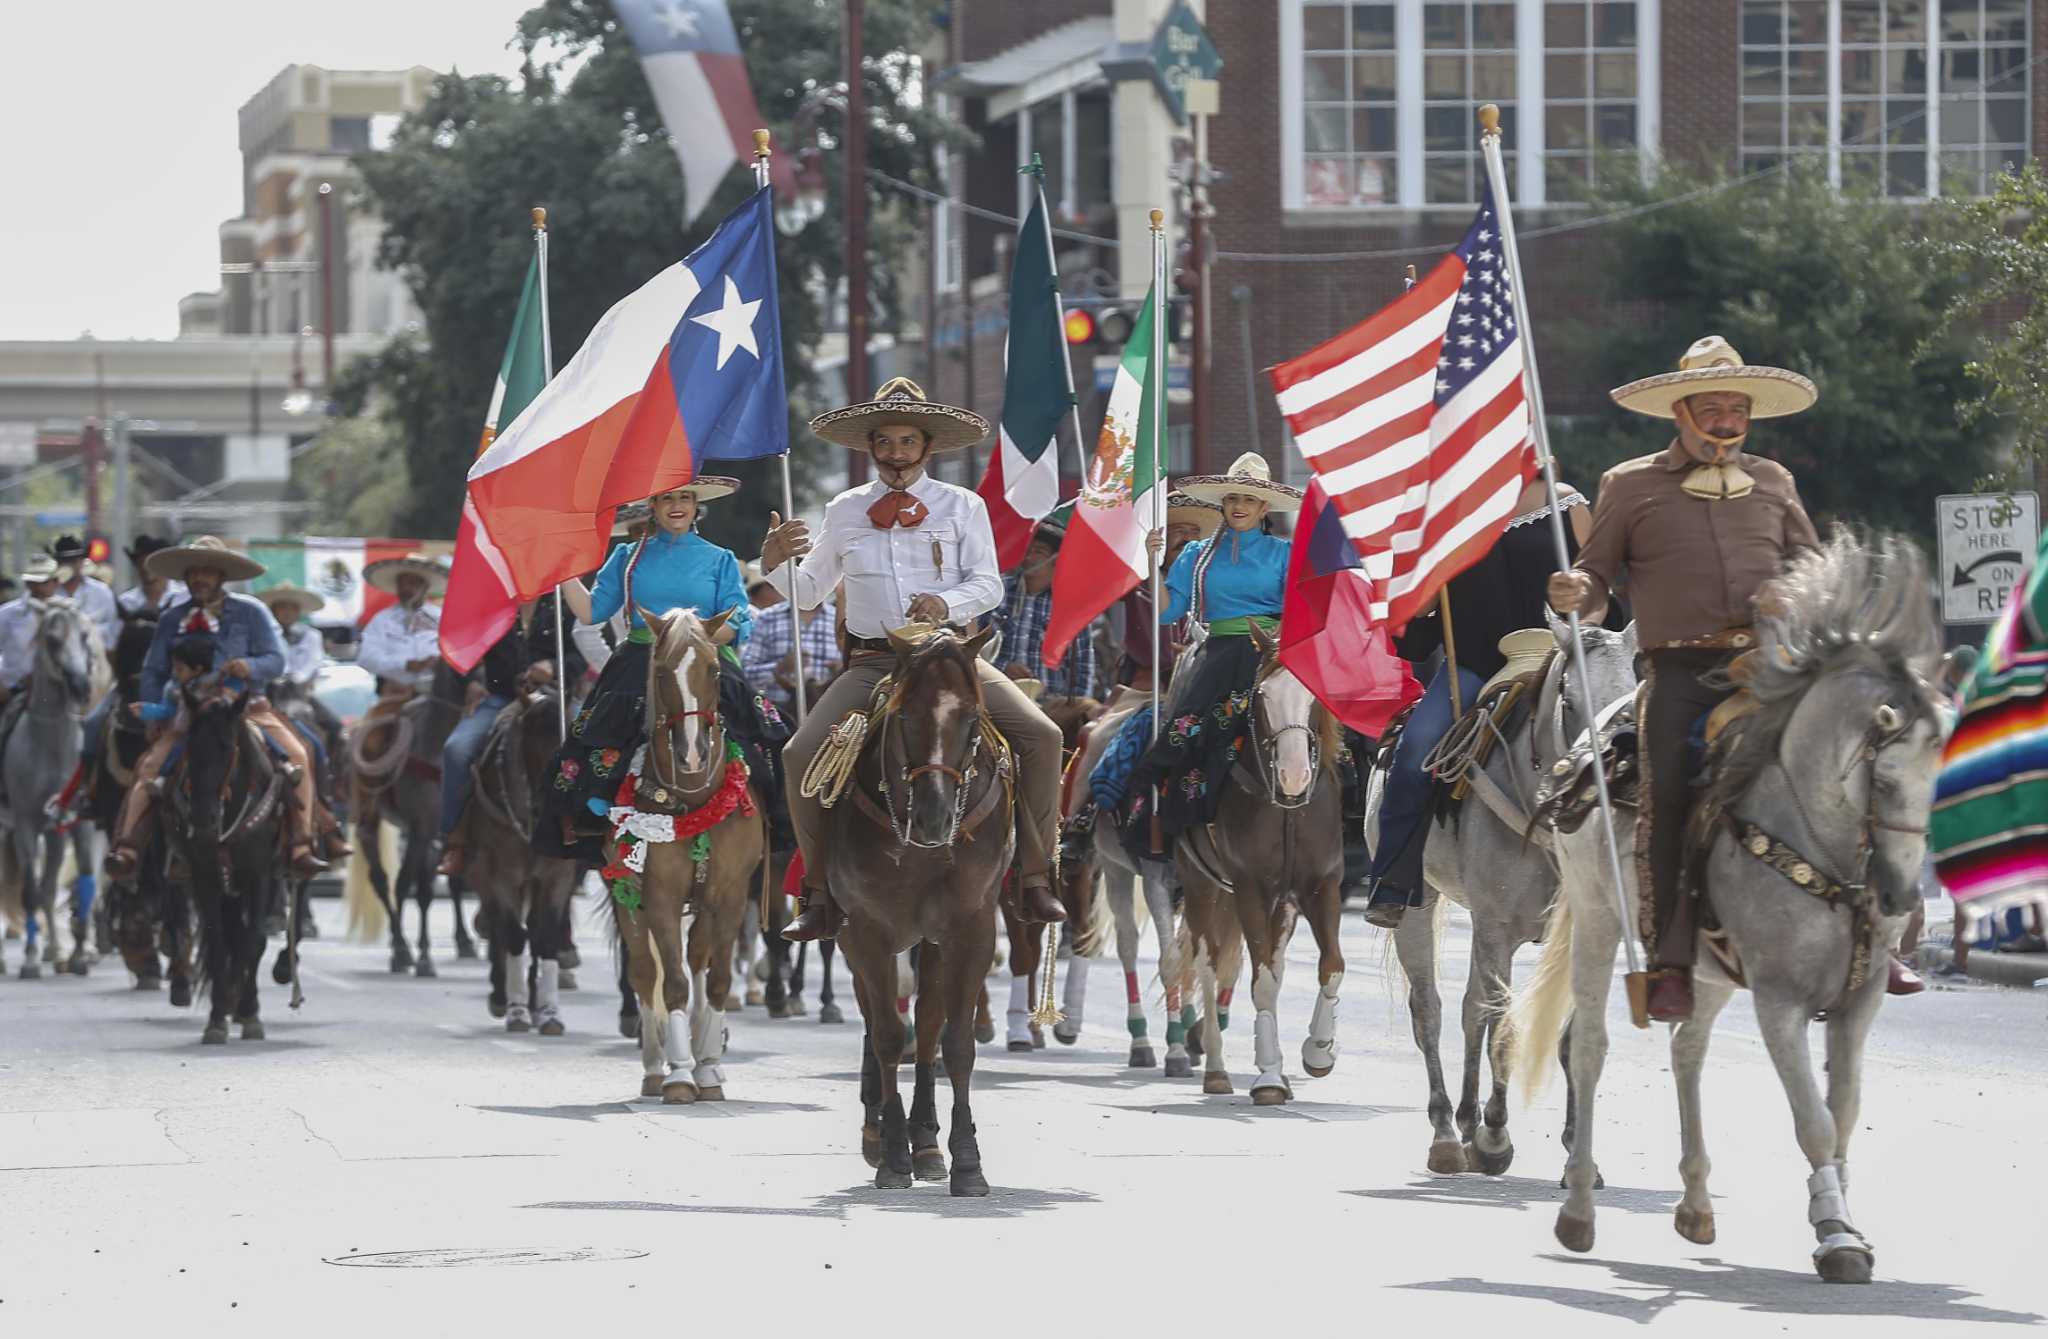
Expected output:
{"points": [[1694, 564]]}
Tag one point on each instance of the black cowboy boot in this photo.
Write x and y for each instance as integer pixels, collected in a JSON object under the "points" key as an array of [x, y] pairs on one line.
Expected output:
{"points": [[817, 917], [1386, 906], [1038, 905]]}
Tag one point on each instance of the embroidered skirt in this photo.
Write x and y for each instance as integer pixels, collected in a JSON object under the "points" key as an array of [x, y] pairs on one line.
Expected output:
{"points": [[1204, 732], [613, 724]]}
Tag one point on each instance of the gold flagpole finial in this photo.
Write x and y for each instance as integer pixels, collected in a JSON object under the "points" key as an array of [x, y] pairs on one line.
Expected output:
{"points": [[1158, 219], [540, 219], [1489, 119], [761, 149]]}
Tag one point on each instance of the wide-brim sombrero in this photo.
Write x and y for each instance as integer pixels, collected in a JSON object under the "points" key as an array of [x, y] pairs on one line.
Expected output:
{"points": [[1206, 517], [1712, 364], [285, 592], [384, 573], [206, 551], [707, 487], [1249, 476], [902, 400]]}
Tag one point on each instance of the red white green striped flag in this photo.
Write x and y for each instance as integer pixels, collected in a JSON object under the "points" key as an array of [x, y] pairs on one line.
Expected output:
{"points": [[1105, 556], [1023, 480]]}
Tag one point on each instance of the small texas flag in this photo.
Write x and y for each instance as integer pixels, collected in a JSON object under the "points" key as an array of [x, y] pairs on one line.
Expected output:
{"points": [[1328, 634]]}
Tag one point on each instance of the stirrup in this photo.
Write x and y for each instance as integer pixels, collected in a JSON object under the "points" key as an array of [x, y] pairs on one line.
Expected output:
{"points": [[817, 917]]}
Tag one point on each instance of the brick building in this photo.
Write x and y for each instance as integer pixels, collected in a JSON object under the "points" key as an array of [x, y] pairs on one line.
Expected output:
{"points": [[1348, 128]]}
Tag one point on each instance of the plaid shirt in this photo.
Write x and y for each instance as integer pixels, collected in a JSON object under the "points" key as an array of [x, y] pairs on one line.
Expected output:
{"points": [[770, 643], [1022, 616]]}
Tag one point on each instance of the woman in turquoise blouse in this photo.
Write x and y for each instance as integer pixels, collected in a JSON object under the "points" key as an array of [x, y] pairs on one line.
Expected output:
{"points": [[1237, 575], [668, 565]]}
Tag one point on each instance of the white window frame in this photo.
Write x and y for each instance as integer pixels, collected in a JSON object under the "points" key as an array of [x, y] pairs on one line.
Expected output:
{"points": [[1525, 159]]}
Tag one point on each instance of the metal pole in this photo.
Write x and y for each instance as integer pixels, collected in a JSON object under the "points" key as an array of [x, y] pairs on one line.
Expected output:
{"points": [[856, 206], [1198, 355], [1242, 296], [796, 614], [326, 291], [547, 369], [1059, 303], [1489, 140], [122, 527], [1156, 373], [91, 445]]}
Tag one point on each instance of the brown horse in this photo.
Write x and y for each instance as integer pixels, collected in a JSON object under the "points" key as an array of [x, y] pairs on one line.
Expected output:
{"points": [[917, 856], [690, 772], [528, 895], [1275, 850]]}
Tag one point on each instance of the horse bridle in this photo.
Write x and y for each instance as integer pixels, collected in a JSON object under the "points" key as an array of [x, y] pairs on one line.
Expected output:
{"points": [[1887, 727], [1266, 767], [664, 730], [963, 778]]}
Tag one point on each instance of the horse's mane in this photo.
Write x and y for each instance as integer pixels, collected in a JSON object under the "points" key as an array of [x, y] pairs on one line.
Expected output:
{"points": [[1855, 601]]}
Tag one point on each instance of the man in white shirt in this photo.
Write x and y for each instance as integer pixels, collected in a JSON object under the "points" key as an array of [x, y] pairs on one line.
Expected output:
{"points": [[151, 594], [908, 549], [402, 642], [89, 593]]}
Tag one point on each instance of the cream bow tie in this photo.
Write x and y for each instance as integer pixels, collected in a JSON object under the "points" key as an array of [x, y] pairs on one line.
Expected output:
{"points": [[1719, 483]]}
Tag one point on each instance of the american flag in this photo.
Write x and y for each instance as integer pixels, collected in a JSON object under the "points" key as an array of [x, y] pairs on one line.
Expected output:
{"points": [[1415, 422]]}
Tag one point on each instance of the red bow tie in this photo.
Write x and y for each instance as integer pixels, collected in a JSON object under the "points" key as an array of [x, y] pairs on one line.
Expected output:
{"points": [[201, 621], [897, 507]]}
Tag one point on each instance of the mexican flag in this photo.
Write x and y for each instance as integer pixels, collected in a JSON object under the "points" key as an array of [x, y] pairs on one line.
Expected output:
{"points": [[1105, 556], [1023, 479], [482, 603], [331, 566]]}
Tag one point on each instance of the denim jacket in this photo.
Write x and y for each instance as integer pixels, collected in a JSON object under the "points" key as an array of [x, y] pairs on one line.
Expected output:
{"points": [[246, 632]]}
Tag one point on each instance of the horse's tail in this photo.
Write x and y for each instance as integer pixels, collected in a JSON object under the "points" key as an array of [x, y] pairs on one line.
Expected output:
{"points": [[367, 921], [1100, 928], [1536, 1014]]}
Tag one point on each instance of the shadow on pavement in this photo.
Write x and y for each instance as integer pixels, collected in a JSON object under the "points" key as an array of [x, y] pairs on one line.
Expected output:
{"points": [[1517, 1192], [1002, 1202], [1652, 1290], [1239, 1108], [648, 1106]]}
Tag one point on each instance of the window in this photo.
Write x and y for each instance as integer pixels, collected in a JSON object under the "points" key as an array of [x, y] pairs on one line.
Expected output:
{"points": [[1380, 108], [1904, 97]]}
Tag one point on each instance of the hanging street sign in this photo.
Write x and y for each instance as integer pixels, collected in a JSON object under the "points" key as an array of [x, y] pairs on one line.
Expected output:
{"points": [[1987, 541], [1181, 50]]}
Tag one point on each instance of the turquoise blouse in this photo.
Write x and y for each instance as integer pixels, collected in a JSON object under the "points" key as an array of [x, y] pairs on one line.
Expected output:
{"points": [[1249, 576], [683, 571]]}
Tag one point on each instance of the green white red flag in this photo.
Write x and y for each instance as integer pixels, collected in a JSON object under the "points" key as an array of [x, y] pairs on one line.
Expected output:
{"points": [[1022, 483], [1105, 554]]}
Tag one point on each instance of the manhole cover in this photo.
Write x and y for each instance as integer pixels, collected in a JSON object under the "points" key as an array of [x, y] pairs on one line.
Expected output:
{"points": [[458, 1257]]}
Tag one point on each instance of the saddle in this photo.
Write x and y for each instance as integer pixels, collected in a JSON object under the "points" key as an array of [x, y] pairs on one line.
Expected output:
{"points": [[832, 768], [1526, 689]]}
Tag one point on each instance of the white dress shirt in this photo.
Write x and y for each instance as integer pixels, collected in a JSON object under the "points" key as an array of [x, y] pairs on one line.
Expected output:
{"points": [[96, 599], [395, 638], [304, 653], [18, 621], [952, 555]]}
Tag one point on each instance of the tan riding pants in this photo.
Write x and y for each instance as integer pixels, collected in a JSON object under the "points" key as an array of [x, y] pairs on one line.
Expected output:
{"points": [[1033, 738], [135, 809]]}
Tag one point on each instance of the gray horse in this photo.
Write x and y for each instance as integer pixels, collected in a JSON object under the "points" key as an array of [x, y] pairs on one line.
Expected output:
{"points": [[1482, 860], [42, 752], [400, 783], [1834, 774]]}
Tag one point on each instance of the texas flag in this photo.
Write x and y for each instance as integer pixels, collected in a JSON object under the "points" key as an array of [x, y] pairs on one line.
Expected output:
{"points": [[690, 53], [1328, 635], [688, 368]]}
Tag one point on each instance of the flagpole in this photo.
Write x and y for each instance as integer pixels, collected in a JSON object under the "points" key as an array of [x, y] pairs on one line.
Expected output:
{"points": [[1156, 374], [796, 614], [1539, 432], [1059, 302], [547, 371]]}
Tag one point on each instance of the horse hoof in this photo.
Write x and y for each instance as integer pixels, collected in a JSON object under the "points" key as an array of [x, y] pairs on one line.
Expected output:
{"points": [[1447, 1158], [1019, 1044], [399, 965], [281, 970], [425, 969], [1181, 1067], [1599, 1182], [1695, 1227], [928, 1164], [887, 1178], [565, 979], [678, 1092], [1574, 1233], [796, 1006], [732, 1003], [1271, 1096], [1143, 1058], [755, 997], [871, 1144], [569, 958], [1491, 1164], [465, 949], [31, 970], [552, 1028], [714, 1093], [829, 1013], [984, 1033], [969, 1183], [629, 1028], [149, 983], [496, 1006], [1216, 1083], [1318, 1071], [779, 1010], [519, 1021], [650, 1085], [80, 965], [216, 1034], [181, 993], [1851, 1263], [252, 1029], [1064, 1035]]}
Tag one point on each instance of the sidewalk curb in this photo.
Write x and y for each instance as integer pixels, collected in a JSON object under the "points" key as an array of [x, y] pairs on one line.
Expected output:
{"points": [[2002, 969]]}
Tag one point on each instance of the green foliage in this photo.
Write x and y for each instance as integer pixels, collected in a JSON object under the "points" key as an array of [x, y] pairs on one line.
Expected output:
{"points": [[346, 474], [2003, 243], [1847, 290], [579, 134]]}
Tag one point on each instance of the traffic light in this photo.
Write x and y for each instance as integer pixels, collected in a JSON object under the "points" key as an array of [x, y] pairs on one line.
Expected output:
{"points": [[1080, 326], [98, 550]]}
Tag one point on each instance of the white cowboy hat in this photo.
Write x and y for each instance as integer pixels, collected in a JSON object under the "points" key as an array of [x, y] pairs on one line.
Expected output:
{"points": [[628, 520], [42, 567], [1206, 517], [1712, 364], [285, 592], [384, 573], [902, 400], [1250, 476], [751, 577], [206, 551]]}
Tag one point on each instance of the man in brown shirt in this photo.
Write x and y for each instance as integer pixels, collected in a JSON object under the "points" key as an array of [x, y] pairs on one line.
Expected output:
{"points": [[1701, 529]]}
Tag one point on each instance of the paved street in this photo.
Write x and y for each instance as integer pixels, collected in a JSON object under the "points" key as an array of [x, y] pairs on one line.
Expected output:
{"points": [[150, 1183]]}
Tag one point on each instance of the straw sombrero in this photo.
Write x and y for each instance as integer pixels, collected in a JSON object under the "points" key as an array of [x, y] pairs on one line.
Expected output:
{"points": [[707, 487], [384, 573], [1206, 517], [902, 400], [174, 562], [1249, 475], [306, 600], [1712, 364]]}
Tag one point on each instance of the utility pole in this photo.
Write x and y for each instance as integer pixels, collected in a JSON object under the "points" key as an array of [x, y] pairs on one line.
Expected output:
{"points": [[121, 537], [90, 443], [326, 290], [1202, 97], [858, 383]]}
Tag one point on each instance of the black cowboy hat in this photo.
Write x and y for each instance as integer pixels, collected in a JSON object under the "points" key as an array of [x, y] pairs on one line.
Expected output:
{"points": [[144, 545], [68, 549]]}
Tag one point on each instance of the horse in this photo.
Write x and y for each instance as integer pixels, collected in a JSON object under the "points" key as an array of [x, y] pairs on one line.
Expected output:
{"points": [[918, 850], [1483, 859], [294, 702], [1808, 853], [401, 784], [70, 675], [225, 814], [526, 897], [693, 844], [1274, 852], [1087, 928]]}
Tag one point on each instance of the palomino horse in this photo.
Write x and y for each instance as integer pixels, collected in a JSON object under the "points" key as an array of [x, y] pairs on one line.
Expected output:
{"points": [[1484, 860], [399, 782], [1275, 850], [224, 812], [692, 845], [70, 675], [527, 896], [1819, 812], [918, 850]]}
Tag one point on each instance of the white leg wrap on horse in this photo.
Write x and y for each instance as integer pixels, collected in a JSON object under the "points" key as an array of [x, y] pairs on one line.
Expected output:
{"points": [[547, 988], [1826, 1200], [517, 993], [676, 1040], [708, 1042], [1266, 1042], [651, 1059], [1018, 1019], [1076, 990]]}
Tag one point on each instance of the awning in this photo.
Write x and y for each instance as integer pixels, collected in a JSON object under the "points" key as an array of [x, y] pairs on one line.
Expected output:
{"points": [[1063, 58]]}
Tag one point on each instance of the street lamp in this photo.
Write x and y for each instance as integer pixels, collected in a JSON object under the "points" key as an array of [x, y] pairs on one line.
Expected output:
{"points": [[298, 401]]}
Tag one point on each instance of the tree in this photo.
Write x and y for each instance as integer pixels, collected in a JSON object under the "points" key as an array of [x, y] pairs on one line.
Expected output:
{"points": [[579, 134], [347, 475], [1848, 290], [2003, 242]]}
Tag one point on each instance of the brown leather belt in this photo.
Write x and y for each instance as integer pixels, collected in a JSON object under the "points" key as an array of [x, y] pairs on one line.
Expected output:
{"points": [[1728, 639]]}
